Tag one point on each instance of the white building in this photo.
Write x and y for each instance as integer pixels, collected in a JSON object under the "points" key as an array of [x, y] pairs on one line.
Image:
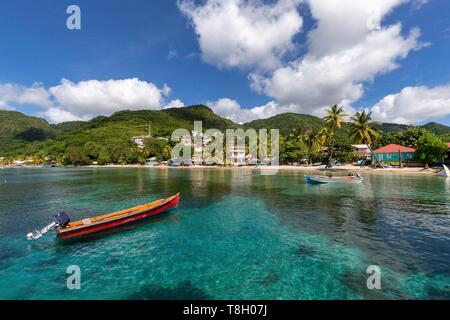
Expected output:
{"points": [[139, 141], [237, 156]]}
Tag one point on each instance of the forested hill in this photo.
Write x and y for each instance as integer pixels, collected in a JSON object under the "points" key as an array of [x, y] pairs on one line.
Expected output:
{"points": [[17, 129], [286, 122], [22, 135]]}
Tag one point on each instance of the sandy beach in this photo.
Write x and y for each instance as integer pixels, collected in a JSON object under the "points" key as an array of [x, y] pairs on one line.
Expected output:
{"points": [[343, 168]]}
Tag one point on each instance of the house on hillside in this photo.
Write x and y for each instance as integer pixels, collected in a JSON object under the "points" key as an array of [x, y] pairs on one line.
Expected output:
{"points": [[394, 152], [139, 141]]}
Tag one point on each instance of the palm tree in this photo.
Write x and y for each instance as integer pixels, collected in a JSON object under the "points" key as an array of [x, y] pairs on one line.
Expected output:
{"points": [[362, 131], [296, 135], [325, 136], [313, 141], [333, 120]]}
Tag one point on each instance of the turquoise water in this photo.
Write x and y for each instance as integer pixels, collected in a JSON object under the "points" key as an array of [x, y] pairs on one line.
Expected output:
{"points": [[235, 235]]}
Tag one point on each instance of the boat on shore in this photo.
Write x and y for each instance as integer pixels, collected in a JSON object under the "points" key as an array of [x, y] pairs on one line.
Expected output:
{"points": [[444, 172], [325, 180], [68, 230]]}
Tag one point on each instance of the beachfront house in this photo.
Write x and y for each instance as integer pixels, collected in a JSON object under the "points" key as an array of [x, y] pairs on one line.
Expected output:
{"points": [[394, 152], [237, 156], [362, 150]]}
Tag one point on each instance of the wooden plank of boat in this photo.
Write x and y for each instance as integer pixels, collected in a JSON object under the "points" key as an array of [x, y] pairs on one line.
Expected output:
{"points": [[116, 219]]}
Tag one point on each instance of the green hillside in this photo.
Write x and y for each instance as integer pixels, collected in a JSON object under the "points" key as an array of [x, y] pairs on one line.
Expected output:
{"points": [[286, 122], [25, 136], [437, 128], [17, 130], [109, 138], [393, 127]]}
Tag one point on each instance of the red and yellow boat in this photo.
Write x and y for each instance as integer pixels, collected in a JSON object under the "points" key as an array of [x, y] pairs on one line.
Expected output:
{"points": [[67, 230]]}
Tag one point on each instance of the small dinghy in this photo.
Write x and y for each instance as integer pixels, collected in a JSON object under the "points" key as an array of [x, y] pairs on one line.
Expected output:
{"points": [[66, 229], [324, 180], [444, 172]]}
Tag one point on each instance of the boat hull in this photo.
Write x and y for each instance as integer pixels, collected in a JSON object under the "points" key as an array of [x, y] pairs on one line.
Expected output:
{"points": [[315, 180], [445, 172], [325, 180], [71, 233]]}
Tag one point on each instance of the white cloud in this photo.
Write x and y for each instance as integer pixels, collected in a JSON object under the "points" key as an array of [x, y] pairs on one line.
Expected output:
{"points": [[346, 51], [244, 33], [87, 99], [312, 83], [227, 108], [414, 105], [56, 115], [12, 94], [174, 104], [343, 24], [231, 109], [84, 100]]}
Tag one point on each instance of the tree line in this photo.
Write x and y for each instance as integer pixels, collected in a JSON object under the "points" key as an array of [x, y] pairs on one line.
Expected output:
{"points": [[113, 145], [326, 146]]}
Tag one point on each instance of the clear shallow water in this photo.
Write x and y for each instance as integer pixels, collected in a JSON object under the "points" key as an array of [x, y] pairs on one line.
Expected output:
{"points": [[235, 235]]}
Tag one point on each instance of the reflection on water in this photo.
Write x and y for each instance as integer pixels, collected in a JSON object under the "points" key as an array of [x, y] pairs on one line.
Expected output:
{"points": [[236, 234]]}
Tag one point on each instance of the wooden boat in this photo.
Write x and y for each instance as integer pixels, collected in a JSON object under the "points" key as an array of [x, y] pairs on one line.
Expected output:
{"points": [[324, 180], [66, 229]]}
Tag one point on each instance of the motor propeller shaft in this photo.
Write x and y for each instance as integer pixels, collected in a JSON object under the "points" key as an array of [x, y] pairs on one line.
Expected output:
{"points": [[39, 233]]}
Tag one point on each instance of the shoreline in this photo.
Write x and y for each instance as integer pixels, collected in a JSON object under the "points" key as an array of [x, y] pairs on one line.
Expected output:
{"points": [[283, 168]]}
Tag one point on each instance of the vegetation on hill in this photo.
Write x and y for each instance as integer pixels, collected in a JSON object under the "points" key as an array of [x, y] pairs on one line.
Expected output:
{"points": [[438, 129], [17, 130], [286, 122], [103, 139], [108, 139]]}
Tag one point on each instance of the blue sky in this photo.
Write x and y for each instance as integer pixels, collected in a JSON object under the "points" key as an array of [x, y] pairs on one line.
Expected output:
{"points": [[159, 43]]}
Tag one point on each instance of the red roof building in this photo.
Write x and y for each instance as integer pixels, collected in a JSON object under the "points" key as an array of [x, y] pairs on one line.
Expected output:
{"points": [[448, 145], [394, 152], [391, 148]]}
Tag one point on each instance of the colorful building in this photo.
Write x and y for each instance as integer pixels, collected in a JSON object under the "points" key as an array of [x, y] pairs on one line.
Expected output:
{"points": [[393, 152], [362, 150]]}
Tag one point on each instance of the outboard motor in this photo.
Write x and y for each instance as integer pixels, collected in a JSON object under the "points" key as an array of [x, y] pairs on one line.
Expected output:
{"points": [[61, 220]]}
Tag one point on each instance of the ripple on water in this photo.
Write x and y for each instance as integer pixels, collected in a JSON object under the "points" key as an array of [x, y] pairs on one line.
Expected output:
{"points": [[235, 235]]}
